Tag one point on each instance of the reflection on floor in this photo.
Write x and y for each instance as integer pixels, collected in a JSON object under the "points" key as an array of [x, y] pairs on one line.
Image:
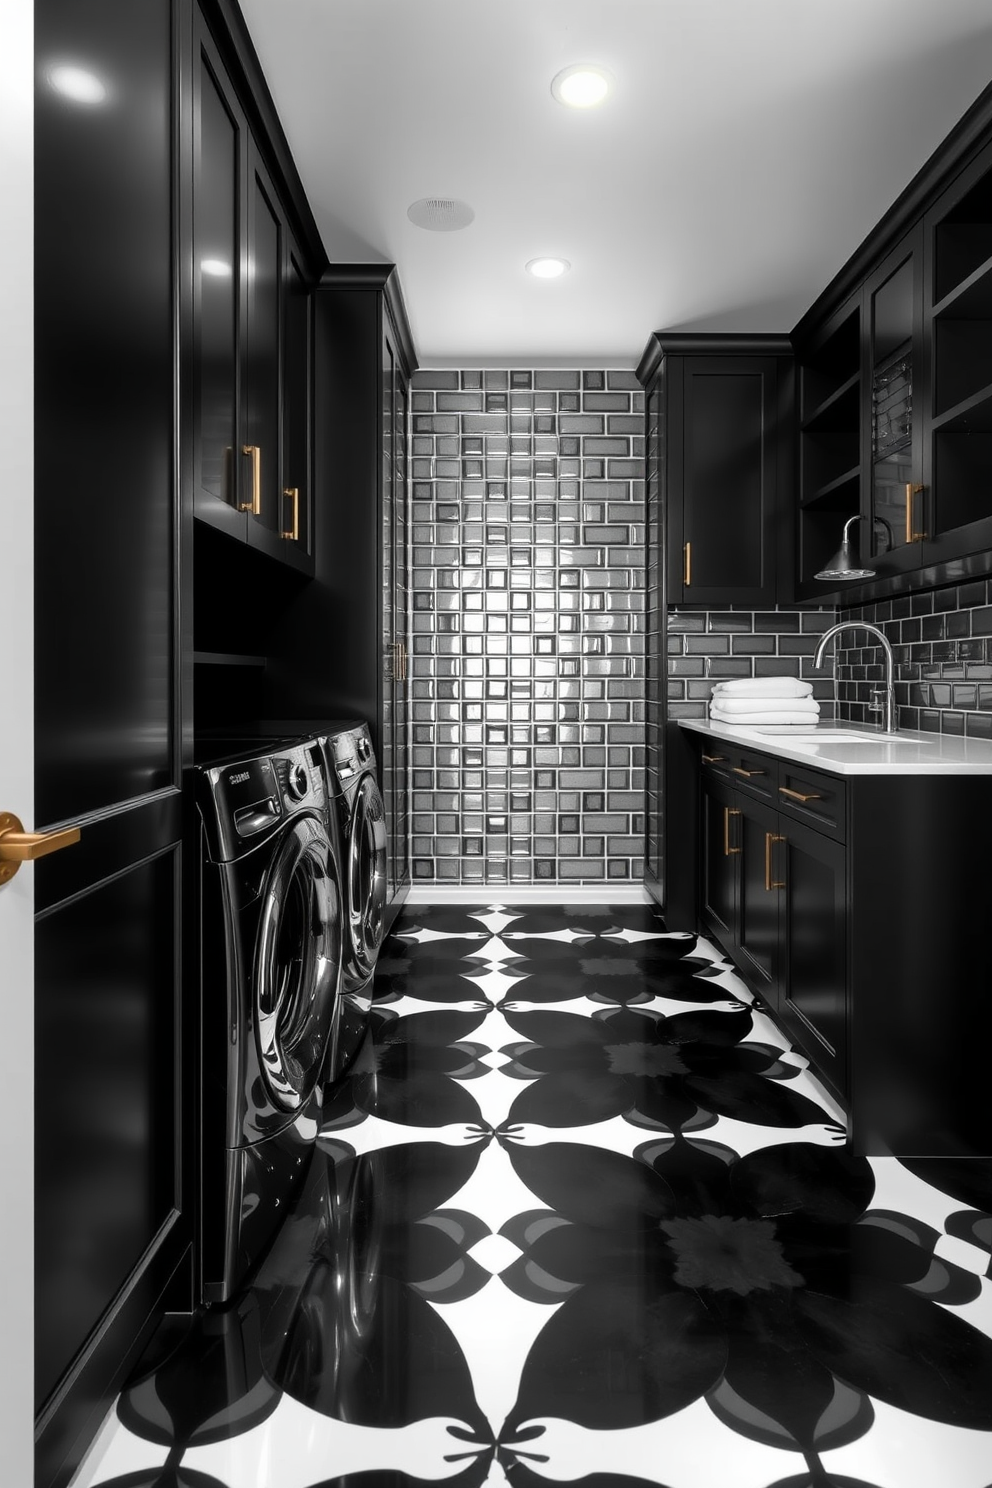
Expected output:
{"points": [[578, 1212]]}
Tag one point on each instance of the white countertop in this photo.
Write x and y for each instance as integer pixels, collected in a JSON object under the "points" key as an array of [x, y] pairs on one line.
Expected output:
{"points": [[910, 752]]}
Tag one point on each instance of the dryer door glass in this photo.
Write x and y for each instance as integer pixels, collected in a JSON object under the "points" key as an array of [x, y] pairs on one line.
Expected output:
{"points": [[298, 963], [367, 874]]}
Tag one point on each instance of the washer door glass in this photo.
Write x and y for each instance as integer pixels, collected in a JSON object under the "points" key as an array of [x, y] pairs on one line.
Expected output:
{"points": [[367, 874], [298, 963]]}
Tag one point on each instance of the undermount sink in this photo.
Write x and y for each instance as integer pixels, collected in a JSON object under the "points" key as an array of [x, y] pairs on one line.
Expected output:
{"points": [[828, 735]]}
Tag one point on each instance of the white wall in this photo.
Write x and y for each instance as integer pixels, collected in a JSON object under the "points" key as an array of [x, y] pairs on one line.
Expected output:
{"points": [[16, 733]]}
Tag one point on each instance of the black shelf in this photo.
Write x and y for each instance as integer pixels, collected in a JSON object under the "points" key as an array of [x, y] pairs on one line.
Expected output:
{"points": [[969, 300], [838, 412], [970, 415], [226, 658], [823, 494]]}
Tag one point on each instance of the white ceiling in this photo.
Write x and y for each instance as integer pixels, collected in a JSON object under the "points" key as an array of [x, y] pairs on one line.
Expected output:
{"points": [[748, 148]]}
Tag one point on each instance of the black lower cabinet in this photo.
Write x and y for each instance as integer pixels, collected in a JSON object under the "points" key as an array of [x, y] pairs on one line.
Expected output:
{"points": [[812, 980], [850, 908]]}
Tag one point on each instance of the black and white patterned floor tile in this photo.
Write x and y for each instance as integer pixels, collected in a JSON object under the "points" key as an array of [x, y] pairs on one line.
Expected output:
{"points": [[577, 1212]]}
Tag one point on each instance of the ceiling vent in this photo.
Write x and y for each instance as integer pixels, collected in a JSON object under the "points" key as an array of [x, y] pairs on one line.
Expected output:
{"points": [[440, 214]]}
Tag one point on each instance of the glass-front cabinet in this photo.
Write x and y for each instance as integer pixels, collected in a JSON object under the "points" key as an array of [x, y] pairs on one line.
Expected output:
{"points": [[893, 377]]}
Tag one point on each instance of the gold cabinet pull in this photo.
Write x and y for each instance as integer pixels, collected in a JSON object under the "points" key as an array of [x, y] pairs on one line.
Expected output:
{"points": [[728, 812], [714, 759], [402, 661], [292, 533], [770, 839], [18, 846], [795, 795], [911, 533], [254, 451], [686, 564], [739, 770]]}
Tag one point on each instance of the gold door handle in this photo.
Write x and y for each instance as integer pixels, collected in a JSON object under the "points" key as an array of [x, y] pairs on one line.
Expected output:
{"points": [[687, 564], [795, 795], [255, 504], [18, 846], [770, 839], [739, 770], [728, 812], [714, 759], [292, 534], [911, 533]]}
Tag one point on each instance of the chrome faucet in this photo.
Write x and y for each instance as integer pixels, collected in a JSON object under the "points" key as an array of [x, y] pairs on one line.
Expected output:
{"points": [[883, 700]]}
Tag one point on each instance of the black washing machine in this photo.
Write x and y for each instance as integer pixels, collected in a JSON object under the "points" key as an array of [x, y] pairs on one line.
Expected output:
{"points": [[362, 826], [272, 934]]}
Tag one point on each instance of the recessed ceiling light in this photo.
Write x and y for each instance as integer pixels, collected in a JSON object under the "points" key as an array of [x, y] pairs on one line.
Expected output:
{"points": [[440, 213], [78, 84], [216, 267], [582, 86], [548, 268]]}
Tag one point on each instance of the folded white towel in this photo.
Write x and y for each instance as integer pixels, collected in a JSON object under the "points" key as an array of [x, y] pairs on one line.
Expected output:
{"points": [[764, 704], [765, 687], [744, 720]]}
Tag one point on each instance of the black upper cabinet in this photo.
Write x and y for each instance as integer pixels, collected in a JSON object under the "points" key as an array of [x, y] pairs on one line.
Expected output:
{"points": [[725, 422], [958, 320], [251, 311], [915, 407]]}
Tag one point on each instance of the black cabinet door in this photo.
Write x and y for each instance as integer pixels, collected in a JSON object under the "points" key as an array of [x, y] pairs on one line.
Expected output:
{"points": [[894, 383], [260, 450], [759, 897], [220, 152], [720, 846], [723, 465], [297, 402], [813, 1004]]}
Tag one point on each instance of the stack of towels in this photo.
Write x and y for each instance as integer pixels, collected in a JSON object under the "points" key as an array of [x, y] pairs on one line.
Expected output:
{"points": [[751, 700]]}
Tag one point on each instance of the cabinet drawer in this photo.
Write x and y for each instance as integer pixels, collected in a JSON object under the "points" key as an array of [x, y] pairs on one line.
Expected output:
{"points": [[755, 773], [716, 758], [818, 800]]}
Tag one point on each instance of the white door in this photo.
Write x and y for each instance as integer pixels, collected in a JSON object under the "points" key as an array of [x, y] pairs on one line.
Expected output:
{"points": [[16, 733]]}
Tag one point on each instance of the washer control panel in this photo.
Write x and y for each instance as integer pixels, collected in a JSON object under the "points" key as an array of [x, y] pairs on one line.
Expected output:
{"points": [[241, 800]]}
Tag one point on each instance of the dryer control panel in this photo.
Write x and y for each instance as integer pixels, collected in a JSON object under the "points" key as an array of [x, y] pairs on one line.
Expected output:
{"points": [[242, 800]]}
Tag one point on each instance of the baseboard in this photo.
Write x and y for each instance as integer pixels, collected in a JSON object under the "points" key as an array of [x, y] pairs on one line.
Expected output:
{"points": [[527, 894]]}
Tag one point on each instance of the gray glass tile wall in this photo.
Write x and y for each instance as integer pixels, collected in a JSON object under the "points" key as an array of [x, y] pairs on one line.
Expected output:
{"points": [[527, 668]]}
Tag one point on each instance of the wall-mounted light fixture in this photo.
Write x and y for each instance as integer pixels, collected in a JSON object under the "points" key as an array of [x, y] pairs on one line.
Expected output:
{"points": [[843, 565]]}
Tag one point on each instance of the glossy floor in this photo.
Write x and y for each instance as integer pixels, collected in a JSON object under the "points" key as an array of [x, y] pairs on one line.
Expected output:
{"points": [[578, 1212]]}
